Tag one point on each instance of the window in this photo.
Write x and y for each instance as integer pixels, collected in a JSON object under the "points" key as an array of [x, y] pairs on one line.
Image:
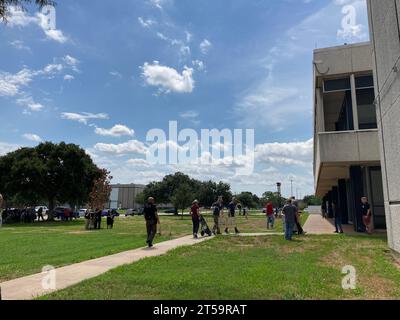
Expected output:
{"points": [[365, 102], [337, 85], [338, 109]]}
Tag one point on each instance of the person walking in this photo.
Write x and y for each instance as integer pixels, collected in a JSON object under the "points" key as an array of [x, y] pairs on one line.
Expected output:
{"points": [[289, 211], [40, 214], [218, 208], [269, 209], [110, 219], [338, 218], [231, 216], [195, 213], [151, 217], [366, 214]]}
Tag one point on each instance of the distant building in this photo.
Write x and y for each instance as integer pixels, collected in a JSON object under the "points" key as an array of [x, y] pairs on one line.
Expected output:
{"points": [[123, 196]]}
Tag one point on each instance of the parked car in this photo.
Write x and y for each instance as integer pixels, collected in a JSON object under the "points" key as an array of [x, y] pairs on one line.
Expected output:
{"points": [[82, 212], [174, 211], [44, 209], [130, 212]]}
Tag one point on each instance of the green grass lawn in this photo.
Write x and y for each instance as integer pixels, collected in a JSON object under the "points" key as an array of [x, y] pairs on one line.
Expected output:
{"points": [[252, 268], [27, 248]]}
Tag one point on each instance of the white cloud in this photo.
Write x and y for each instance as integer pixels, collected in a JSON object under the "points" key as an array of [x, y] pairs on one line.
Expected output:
{"points": [[83, 117], [146, 23], [20, 45], [116, 74], [198, 64], [118, 130], [10, 84], [167, 78], [69, 77], [132, 146], [205, 46], [20, 18], [138, 163], [72, 63], [30, 104], [7, 147], [32, 137], [289, 153]]}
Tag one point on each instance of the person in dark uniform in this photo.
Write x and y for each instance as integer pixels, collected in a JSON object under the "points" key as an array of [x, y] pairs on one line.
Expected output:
{"points": [[151, 217], [218, 210], [297, 218], [366, 214], [40, 214], [338, 218], [195, 213], [231, 216], [98, 219]]}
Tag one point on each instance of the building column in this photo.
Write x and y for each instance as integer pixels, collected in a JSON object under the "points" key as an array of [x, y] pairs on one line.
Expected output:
{"points": [[329, 199], [343, 201], [356, 184], [354, 102]]}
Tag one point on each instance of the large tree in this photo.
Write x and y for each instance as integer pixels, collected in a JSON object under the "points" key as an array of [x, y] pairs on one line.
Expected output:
{"points": [[101, 190], [182, 197], [274, 197], [248, 199], [55, 172], [6, 4]]}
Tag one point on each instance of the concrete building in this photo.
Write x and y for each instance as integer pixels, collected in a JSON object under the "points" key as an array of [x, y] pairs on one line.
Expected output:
{"points": [[123, 196], [346, 144], [384, 17]]}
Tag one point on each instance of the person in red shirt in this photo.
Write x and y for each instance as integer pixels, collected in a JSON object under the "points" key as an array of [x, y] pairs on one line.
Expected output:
{"points": [[269, 209], [195, 213]]}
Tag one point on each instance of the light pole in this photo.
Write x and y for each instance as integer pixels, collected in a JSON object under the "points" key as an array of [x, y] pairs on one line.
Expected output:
{"points": [[291, 187]]}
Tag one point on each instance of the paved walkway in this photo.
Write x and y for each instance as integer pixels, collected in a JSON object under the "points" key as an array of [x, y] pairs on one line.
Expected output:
{"points": [[30, 287], [315, 224]]}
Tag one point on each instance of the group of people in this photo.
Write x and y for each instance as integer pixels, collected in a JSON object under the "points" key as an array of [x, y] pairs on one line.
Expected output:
{"points": [[334, 210], [291, 218], [93, 219], [25, 215]]}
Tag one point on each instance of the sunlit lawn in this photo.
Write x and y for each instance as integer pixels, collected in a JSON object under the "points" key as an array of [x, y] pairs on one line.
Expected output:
{"points": [[25, 249], [253, 268]]}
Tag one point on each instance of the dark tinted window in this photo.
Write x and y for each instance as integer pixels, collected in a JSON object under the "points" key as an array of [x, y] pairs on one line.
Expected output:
{"points": [[337, 85], [364, 82]]}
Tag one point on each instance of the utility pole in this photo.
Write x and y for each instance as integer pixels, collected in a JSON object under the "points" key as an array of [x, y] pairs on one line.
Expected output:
{"points": [[291, 187]]}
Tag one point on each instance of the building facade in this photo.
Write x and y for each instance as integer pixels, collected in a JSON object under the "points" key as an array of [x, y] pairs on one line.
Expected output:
{"points": [[123, 196], [384, 17], [347, 157]]}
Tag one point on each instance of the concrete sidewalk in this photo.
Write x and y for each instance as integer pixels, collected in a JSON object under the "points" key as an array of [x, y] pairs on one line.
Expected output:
{"points": [[316, 224], [29, 287]]}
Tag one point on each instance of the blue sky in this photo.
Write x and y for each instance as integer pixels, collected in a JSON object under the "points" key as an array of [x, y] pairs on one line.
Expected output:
{"points": [[108, 74]]}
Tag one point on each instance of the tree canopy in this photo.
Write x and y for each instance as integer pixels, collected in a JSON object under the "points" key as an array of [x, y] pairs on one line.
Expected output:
{"points": [[166, 191], [5, 6], [62, 173]]}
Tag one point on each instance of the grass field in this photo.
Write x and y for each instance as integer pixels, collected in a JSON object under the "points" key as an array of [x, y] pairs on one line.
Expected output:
{"points": [[27, 248], [253, 268]]}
